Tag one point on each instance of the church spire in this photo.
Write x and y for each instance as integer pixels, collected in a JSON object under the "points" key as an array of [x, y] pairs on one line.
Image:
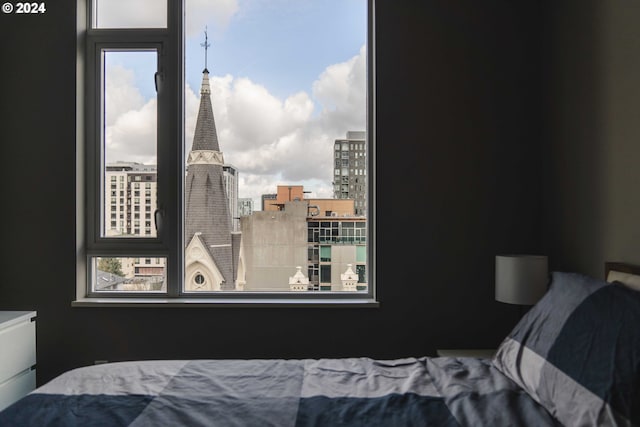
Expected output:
{"points": [[207, 214], [206, 135]]}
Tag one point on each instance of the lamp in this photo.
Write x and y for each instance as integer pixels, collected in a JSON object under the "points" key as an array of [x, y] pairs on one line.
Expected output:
{"points": [[521, 279]]}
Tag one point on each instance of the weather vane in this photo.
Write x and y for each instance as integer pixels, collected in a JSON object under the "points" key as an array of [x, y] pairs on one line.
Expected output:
{"points": [[206, 46]]}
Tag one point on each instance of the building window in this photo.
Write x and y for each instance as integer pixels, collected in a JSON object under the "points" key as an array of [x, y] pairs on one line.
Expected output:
{"points": [[325, 253], [325, 274], [166, 95]]}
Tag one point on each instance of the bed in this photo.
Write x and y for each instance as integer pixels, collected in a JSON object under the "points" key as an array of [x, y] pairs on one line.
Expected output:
{"points": [[573, 360]]}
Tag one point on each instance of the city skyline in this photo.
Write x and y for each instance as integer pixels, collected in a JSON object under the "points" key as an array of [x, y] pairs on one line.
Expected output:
{"points": [[273, 130]]}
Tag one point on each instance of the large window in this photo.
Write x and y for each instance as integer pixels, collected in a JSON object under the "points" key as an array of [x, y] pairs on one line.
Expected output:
{"points": [[209, 141]]}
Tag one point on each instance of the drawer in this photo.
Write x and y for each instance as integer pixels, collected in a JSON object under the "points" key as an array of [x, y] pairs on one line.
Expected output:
{"points": [[17, 387], [17, 349]]}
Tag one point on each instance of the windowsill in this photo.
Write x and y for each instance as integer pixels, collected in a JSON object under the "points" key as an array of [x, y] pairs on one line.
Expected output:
{"points": [[224, 303]]}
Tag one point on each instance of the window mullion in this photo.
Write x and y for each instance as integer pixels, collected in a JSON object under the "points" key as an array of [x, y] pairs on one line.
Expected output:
{"points": [[96, 245], [171, 143]]}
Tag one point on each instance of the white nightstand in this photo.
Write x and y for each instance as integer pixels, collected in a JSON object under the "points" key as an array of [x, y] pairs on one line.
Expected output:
{"points": [[485, 353], [17, 355]]}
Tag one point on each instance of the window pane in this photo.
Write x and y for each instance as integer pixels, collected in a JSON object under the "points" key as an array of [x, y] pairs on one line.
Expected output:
{"points": [[277, 121], [325, 253], [130, 13], [129, 141], [128, 274], [361, 254]]}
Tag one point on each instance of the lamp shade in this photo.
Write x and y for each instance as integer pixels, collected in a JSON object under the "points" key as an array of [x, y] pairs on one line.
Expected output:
{"points": [[521, 279]]}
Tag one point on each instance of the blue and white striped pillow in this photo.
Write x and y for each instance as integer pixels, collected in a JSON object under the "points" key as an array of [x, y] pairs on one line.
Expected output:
{"points": [[577, 352]]}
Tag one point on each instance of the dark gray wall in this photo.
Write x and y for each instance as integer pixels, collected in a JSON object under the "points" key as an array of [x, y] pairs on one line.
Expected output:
{"points": [[592, 158], [463, 174]]}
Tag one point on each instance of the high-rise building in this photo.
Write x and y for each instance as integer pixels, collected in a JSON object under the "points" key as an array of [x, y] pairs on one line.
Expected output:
{"points": [[350, 170], [130, 204], [130, 199], [230, 176], [245, 206]]}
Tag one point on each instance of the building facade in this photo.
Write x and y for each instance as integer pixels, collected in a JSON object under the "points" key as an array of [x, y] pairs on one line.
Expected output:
{"points": [[245, 207], [130, 205], [266, 200], [285, 193], [230, 177], [324, 235], [350, 170], [335, 246], [130, 200]]}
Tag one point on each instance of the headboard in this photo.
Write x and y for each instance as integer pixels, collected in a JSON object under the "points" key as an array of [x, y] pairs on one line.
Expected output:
{"points": [[629, 274]]}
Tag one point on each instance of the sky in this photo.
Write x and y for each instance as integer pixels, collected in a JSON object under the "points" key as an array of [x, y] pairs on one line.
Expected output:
{"points": [[287, 77]]}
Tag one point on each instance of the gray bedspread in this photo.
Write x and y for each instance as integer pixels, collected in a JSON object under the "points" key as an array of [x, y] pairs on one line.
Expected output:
{"points": [[442, 391]]}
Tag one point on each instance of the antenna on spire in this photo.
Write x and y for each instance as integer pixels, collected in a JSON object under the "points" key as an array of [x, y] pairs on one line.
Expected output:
{"points": [[206, 45]]}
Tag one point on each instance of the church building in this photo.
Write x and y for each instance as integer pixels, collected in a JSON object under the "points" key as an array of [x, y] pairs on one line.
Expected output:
{"points": [[213, 258]]}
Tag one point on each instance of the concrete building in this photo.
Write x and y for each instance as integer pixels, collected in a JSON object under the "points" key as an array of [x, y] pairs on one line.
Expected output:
{"points": [[274, 243], [324, 235], [350, 170]]}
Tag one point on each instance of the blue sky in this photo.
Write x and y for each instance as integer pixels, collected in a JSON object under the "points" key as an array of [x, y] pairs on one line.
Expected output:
{"points": [[283, 45]]}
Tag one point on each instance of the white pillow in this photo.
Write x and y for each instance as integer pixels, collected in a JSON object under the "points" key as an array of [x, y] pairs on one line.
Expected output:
{"points": [[627, 279]]}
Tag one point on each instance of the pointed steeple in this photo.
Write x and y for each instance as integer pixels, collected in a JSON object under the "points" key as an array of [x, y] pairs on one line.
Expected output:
{"points": [[206, 135], [207, 215]]}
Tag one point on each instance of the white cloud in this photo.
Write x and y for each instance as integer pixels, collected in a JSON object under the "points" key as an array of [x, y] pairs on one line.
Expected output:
{"points": [[271, 141], [130, 133], [201, 12], [122, 95], [256, 118], [341, 89], [133, 136]]}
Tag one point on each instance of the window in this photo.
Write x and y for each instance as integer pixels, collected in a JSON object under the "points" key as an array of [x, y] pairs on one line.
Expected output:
{"points": [[209, 103]]}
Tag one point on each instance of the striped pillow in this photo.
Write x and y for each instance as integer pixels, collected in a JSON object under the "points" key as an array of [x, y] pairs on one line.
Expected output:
{"points": [[577, 352]]}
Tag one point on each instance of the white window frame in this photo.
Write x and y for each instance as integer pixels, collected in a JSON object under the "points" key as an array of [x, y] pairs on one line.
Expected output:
{"points": [[169, 242]]}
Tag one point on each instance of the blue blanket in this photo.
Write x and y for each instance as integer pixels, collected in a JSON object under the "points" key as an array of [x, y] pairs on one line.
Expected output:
{"points": [[273, 392]]}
